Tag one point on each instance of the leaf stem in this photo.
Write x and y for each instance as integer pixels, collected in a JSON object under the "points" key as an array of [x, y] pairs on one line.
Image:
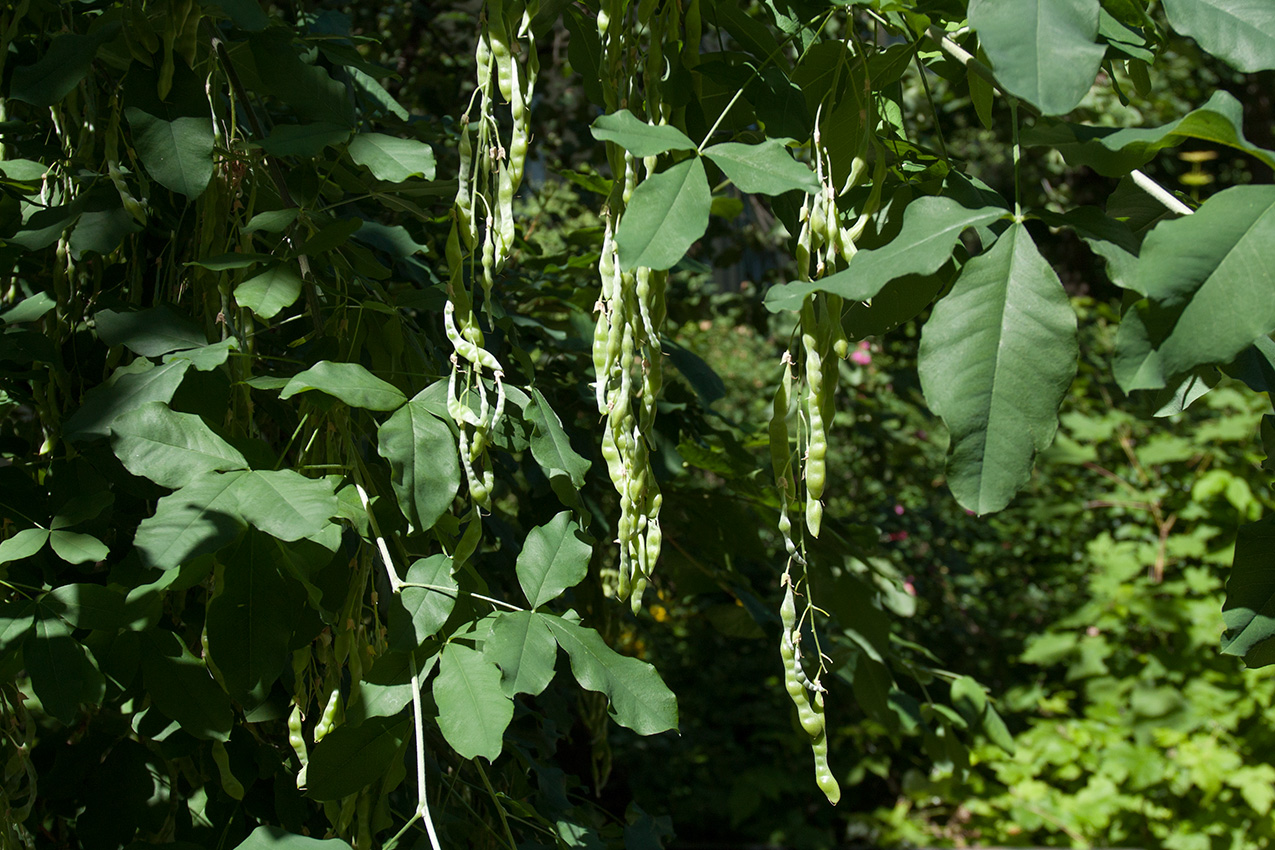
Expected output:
{"points": [[1018, 156]]}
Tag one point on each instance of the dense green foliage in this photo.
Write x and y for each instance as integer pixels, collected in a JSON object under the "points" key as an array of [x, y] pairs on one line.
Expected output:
{"points": [[351, 372]]}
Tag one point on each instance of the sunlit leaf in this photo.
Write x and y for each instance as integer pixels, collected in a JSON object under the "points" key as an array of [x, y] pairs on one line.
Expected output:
{"points": [[1043, 51], [666, 215], [996, 357], [554, 557], [392, 159], [638, 137], [767, 167], [1242, 32], [524, 648], [473, 710], [424, 469], [350, 382], [168, 447]]}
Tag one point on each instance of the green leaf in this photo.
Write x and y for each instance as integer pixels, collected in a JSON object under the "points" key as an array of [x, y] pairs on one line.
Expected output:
{"points": [[251, 618], [553, 558], [996, 358], [1115, 152], [473, 710], [392, 159], [286, 504], [550, 445], [86, 606], [638, 137], [1249, 610], [274, 838], [350, 758], [899, 300], [176, 152], [149, 333], [304, 140], [62, 675], [387, 687], [767, 167], [23, 545], [349, 382], [29, 309], [199, 518], [76, 548], [665, 216], [639, 698], [60, 67], [271, 221], [127, 388], [207, 357], [524, 648], [181, 687], [269, 292], [1198, 273], [424, 469], [417, 613], [170, 448], [931, 226], [1242, 32], [1043, 51]]}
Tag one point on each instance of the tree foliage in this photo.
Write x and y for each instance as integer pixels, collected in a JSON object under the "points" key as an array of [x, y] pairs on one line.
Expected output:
{"points": [[327, 423]]}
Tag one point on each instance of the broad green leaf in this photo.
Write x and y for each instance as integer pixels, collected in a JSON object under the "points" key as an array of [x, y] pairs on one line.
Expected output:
{"points": [[767, 167], [665, 216], [395, 241], [996, 358], [387, 687], [82, 508], [417, 613], [76, 548], [931, 226], [553, 558], [60, 67], [102, 224], [969, 698], [1115, 152], [473, 710], [424, 469], [1200, 272], [274, 838], [1242, 32], [1043, 51], [181, 687], [177, 152], [550, 445], [899, 300], [199, 518], [350, 382], [350, 758], [207, 357], [638, 137], [272, 221], [250, 619], [29, 309], [126, 389], [62, 675], [1249, 610], [1109, 238], [303, 140], [639, 698], [86, 606], [286, 504], [269, 292], [23, 545], [149, 333], [392, 159], [170, 448], [524, 648]]}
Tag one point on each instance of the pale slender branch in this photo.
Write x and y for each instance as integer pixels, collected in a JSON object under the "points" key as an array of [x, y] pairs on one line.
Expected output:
{"points": [[418, 721]]}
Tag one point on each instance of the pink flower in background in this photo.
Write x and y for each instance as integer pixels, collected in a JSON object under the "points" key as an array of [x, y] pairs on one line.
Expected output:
{"points": [[909, 587], [898, 510], [861, 355]]}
